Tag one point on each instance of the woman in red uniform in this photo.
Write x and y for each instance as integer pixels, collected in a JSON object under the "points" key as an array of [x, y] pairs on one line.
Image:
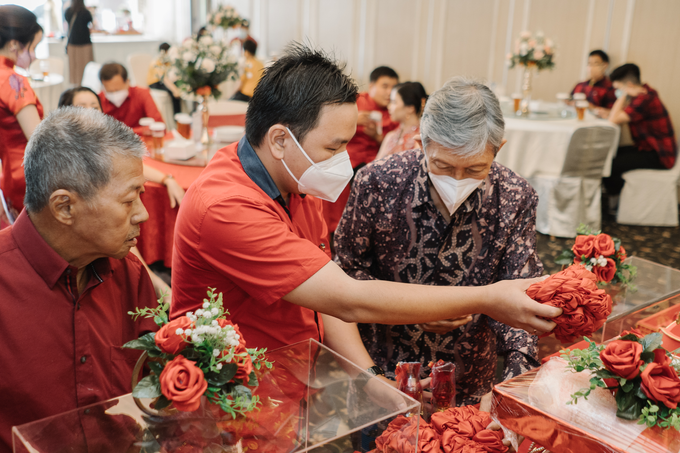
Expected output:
{"points": [[20, 110]]}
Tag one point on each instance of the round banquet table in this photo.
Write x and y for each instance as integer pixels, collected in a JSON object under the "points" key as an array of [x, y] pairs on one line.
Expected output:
{"points": [[538, 145], [155, 240], [48, 91]]}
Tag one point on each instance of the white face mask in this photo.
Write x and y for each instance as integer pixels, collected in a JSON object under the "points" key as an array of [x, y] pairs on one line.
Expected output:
{"points": [[453, 192], [117, 97], [325, 180], [619, 92]]}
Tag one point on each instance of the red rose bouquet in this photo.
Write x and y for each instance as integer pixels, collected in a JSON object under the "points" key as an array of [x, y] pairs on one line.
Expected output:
{"points": [[642, 374], [601, 254], [201, 353], [584, 306], [455, 430]]}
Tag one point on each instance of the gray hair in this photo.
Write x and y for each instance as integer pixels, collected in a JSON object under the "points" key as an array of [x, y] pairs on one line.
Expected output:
{"points": [[463, 115], [73, 149]]}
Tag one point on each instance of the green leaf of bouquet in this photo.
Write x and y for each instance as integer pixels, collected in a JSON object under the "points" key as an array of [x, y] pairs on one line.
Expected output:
{"points": [[149, 387], [156, 367], [145, 342], [161, 403], [627, 387], [605, 374], [243, 392], [630, 337], [651, 342], [647, 357], [565, 258], [225, 375], [629, 406], [252, 380]]}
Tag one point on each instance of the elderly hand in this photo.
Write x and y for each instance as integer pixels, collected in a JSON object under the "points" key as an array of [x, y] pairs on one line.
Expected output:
{"points": [[508, 303], [445, 326], [175, 191]]}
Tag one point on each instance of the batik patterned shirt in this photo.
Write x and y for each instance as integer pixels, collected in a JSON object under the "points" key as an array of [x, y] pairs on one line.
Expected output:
{"points": [[391, 230]]}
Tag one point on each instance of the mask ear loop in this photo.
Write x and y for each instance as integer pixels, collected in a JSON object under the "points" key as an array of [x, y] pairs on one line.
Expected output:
{"points": [[303, 152]]}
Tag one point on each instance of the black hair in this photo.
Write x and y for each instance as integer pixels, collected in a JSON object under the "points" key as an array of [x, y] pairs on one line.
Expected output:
{"points": [[202, 31], [66, 98], [111, 70], [245, 23], [600, 53], [293, 90], [628, 72], [77, 6], [413, 94], [383, 71], [250, 46], [164, 47], [16, 22]]}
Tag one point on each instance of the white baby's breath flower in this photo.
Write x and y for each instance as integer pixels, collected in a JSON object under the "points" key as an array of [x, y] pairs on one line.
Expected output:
{"points": [[214, 311], [199, 312], [215, 324], [179, 331], [187, 332], [196, 338], [206, 304], [218, 366], [207, 314], [593, 260], [208, 65], [216, 352]]}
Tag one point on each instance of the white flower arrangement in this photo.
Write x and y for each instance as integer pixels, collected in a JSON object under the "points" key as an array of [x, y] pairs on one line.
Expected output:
{"points": [[225, 17], [199, 66], [530, 50]]}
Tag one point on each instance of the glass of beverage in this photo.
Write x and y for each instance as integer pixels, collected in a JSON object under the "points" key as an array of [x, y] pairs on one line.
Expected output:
{"points": [[408, 381], [145, 123], [443, 385], [579, 96], [184, 121], [516, 100], [563, 98], [581, 107], [157, 135], [45, 67], [377, 117]]}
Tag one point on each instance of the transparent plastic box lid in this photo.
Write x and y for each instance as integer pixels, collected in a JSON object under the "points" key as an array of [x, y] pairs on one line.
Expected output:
{"points": [[311, 397]]}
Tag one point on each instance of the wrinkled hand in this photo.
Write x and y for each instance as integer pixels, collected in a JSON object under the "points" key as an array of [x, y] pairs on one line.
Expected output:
{"points": [[509, 304], [494, 426], [175, 192], [445, 326]]}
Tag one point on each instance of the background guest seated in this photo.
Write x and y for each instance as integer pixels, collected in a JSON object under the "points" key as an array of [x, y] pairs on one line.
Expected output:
{"points": [[251, 74], [650, 127], [158, 80], [446, 216], [598, 88], [66, 279], [85, 97], [123, 102], [406, 107]]}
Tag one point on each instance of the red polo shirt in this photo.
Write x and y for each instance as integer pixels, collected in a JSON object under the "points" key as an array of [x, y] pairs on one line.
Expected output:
{"points": [[235, 233], [139, 104], [15, 94], [62, 350]]}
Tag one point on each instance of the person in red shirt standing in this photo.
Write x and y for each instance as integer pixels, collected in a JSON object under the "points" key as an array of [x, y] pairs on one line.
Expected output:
{"points": [[598, 88], [66, 278], [251, 226], [20, 109], [374, 123], [650, 126], [123, 102]]}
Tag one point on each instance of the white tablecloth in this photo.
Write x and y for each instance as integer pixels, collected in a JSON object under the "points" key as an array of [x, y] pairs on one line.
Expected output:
{"points": [[49, 90], [540, 147]]}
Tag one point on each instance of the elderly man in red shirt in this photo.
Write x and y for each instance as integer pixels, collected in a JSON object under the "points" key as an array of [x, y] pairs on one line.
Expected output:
{"points": [[66, 279], [251, 226], [374, 122], [123, 102], [650, 126]]}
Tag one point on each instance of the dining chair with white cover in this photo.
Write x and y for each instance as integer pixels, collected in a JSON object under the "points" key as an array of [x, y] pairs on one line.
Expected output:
{"points": [[650, 197], [138, 66], [574, 196], [91, 76], [164, 104]]}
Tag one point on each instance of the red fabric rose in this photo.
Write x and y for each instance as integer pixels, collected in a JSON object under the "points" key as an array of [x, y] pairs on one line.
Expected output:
{"points": [[622, 254], [491, 441], [583, 246], [182, 382], [428, 439], [584, 306], [605, 274], [622, 358], [452, 417], [167, 339], [603, 244], [452, 442], [660, 382], [635, 332]]}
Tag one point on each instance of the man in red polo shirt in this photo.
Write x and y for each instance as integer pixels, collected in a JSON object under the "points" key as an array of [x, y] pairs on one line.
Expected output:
{"points": [[373, 123], [123, 102], [247, 228], [66, 279], [650, 126], [598, 88]]}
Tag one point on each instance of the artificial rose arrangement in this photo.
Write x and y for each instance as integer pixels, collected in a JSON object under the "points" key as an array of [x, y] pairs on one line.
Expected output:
{"points": [[585, 307], [199, 66], [536, 51], [456, 430], [225, 17], [599, 253], [643, 375], [200, 353]]}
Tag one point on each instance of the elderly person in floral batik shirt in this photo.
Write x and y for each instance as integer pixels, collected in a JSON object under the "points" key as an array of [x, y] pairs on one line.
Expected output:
{"points": [[447, 216]]}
